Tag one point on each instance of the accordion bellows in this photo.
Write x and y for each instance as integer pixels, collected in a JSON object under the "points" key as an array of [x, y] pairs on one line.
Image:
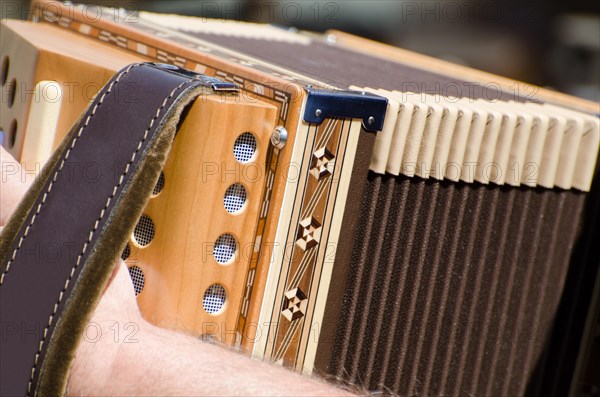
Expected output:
{"points": [[449, 286], [428, 257], [449, 264]]}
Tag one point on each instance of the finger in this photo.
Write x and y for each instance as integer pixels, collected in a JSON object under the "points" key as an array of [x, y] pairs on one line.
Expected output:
{"points": [[114, 273], [119, 293], [13, 184], [120, 275]]}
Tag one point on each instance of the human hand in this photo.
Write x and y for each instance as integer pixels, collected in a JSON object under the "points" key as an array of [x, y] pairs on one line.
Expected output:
{"points": [[121, 354]]}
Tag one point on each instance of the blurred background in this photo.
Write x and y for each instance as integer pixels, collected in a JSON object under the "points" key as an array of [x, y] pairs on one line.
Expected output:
{"points": [[555, 44]]}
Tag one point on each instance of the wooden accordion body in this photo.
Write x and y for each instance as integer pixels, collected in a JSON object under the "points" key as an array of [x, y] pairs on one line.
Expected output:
{"points": [[417, 228]]}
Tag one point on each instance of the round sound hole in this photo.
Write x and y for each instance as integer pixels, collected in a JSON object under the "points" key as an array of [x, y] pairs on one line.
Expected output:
{"points": [[214, 299], [12, 133], [4, 70], [160, 184], [224, 248], [11, 92], [244, 147], [137, 276], [126, 252], [235, 198], [144, 231]]}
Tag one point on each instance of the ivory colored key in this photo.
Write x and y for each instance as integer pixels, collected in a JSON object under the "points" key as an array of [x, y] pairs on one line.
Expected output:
{"points": [[430, 133], [495, 150], [406, 111], [587, 155], [532, 158], [383, 141], [566, 156], [470, 123], [517, 144], [40, 133], [482, 154], [552, 145], [415, 135], [446, 131], [579, 150]]}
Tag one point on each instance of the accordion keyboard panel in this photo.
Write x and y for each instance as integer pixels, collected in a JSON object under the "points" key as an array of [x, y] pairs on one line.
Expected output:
{"points": [[190, 251]]}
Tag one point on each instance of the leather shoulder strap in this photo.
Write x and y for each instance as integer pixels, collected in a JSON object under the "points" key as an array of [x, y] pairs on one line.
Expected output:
{"points": [[59, 248]]}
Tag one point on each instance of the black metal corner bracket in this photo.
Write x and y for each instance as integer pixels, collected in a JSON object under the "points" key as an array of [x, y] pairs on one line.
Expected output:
{"points": [[351, 104]]}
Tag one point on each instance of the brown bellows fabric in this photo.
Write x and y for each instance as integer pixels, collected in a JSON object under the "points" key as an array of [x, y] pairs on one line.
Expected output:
{"points": [[451, 288]]}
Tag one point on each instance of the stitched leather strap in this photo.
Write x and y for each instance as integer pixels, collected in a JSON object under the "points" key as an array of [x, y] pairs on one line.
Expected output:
{"points": [[59, 249]]}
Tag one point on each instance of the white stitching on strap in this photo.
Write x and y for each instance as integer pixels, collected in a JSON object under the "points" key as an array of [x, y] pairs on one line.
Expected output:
{"points": [[102, 213], [55, 177]]}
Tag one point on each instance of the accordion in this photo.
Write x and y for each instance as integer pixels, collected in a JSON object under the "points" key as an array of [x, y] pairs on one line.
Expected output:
{"points": [[356, 211]]}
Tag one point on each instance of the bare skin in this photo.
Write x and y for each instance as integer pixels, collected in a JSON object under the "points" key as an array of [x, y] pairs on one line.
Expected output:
{"points": [[121, 354]]}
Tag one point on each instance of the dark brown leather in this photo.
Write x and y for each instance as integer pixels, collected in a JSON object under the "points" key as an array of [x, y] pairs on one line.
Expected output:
{"points": [[41, 267]]}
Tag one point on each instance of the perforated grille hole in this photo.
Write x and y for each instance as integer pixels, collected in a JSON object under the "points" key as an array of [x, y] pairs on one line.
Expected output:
{"points": [[235, 198], [137, 276], [160, 184], [214, 298], [244, 147], [11, 93], [126, 252], [224, 248], [12, 133], [144, 231], [4, 70]]}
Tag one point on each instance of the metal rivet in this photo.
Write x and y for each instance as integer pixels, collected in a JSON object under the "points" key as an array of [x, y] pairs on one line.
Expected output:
{"points": [[279, 137], [318, 113], [371, 120]]}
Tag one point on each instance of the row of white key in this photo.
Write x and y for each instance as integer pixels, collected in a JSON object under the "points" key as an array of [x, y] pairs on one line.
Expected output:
{"points": [[497, 142]]}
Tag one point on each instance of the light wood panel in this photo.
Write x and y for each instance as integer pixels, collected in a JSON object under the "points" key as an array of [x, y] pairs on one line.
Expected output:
{"points": [[189, 216], [257, 81], [36, 53]]}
